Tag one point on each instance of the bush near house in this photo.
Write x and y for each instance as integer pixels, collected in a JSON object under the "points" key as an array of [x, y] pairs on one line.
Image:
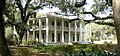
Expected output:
{"points": [[78, 50]]}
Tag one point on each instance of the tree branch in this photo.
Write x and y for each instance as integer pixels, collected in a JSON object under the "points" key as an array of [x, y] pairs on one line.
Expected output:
{"points": [[26, 6], [101, 23], [106, 23], [19, 4], [109, 2], [96, 17], [14, 24], [27, 17], [21, 8]]}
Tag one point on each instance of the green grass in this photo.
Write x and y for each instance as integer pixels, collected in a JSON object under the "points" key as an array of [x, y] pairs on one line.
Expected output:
{"points": [[87, 47]]}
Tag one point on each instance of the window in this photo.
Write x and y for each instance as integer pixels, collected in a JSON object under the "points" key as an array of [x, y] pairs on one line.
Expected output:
{"points": [[52, 37], [53, 24], [43, 23], [43, 36], [35, 34], [58, 23], [58, 36], [77, 37], [37, 23], [66, 23], [38, 36], [73, 37]]}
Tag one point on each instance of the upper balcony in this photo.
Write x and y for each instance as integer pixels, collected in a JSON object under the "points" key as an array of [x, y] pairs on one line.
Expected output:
{"points": [[51, 27]]}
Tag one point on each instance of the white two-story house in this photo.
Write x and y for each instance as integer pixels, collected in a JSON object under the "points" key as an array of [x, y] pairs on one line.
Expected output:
{"points": [[52, 29]]}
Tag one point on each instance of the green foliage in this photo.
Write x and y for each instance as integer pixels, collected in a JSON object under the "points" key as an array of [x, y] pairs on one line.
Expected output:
{"points": [[10, 37], [31, 41], [99, 32], [99, 6], [17, 14], [43, 48], [75, 50], [12, 41]]}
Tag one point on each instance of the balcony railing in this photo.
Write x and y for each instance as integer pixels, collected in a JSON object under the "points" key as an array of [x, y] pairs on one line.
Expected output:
{"points": [[78, 29], [43, 26], [51, 27], [59, 27], [66, 28], [72, 28]]}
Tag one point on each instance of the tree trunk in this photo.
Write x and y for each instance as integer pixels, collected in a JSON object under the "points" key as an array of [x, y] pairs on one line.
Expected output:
{"points": [[4, 50], [116, 15], [20, 38], [21, 32]]}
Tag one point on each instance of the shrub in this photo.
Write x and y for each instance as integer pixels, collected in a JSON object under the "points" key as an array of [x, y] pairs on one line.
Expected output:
{"points": [[31, 41], [11, 39], [74, 50]]}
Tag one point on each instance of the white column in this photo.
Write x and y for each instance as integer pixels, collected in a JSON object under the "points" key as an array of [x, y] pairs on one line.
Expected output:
{"points": [[75, 32], [80, 35], [33, 28], [55, 31], [47, 30], [84, 36], [28, 35], [40, 36], [90, 31], [63, 31], [69, 33]]}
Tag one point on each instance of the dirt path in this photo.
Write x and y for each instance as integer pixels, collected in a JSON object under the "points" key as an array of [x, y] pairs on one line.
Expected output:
{"points": [[25, 51]]}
